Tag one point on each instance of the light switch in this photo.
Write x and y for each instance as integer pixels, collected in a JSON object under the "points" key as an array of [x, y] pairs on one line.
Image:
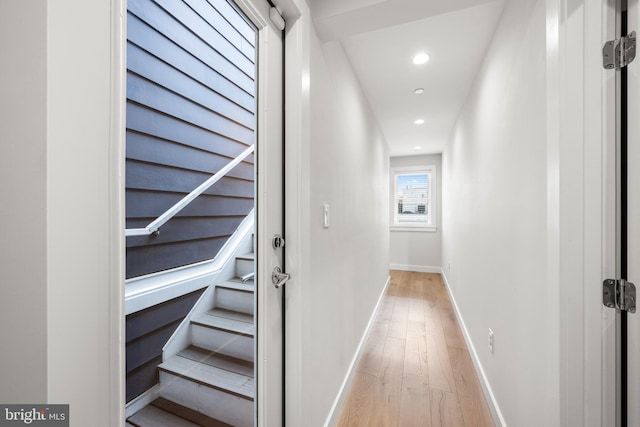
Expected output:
{"points": [[326, 216]]}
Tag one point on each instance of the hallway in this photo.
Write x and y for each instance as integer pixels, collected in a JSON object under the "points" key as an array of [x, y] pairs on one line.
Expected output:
{"points": [[524, 232], [415, 369]]}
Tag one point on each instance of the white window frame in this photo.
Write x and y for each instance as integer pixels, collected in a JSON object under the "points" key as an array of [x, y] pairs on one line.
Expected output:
{"points": [[431, 170]]}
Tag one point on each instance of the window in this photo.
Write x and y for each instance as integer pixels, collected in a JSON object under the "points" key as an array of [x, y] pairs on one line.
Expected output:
{"points": [[413, 192]]}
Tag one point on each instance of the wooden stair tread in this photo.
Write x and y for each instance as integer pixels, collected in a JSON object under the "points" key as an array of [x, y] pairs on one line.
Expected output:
{"points": [[150, 416], [239, 285], [218, 360], [189, 414], [231, 315], [227, 320], [211, 376], [249, 257]]}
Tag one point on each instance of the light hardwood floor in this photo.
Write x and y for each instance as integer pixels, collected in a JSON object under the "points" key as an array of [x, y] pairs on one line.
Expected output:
{"points": [[415, 369]]}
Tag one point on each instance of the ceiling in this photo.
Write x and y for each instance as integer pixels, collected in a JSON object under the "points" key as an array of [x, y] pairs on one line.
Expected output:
{"points": [[382, 36]]}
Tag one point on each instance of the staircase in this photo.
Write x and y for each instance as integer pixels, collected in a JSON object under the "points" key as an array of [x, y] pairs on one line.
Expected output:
{"points": [[207, 378]]}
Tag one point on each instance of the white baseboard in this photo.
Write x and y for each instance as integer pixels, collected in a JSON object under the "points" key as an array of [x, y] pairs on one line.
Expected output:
{"points": [[418, 268], [498, 418], [336, 408]]}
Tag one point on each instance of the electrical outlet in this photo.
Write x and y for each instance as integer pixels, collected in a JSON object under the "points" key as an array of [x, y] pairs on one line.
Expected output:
{"points": [[490, 341]]}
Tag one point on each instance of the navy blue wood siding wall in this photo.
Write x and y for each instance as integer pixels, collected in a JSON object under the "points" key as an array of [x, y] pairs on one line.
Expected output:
{"points": [[191, 109], [147, 331]]}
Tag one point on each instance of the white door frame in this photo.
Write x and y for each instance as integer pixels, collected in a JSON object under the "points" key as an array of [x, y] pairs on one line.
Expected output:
{"points": [[610, 253], [577, 130], [117, 263], [269, 211], [297, 193], [579, 123], [117, 166]]}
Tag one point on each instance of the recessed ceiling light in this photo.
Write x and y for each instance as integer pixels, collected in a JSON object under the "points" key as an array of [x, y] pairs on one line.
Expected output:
{"points": [[418, 148], [419, 121], [419, 91], [420, 58]]}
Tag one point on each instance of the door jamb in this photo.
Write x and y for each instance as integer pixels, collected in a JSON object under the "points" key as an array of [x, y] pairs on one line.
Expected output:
{"points": [[117, 120], [297, 192], [577, 131]]}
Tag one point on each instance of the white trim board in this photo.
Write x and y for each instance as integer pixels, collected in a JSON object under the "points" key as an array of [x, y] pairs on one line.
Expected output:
{"points": [[417, 268], [336, 408], [498, 418]]}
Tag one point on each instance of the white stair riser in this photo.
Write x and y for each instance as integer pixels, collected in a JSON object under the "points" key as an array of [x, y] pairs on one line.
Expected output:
{"points": [[244, 267], [214, 403], [223, 342], [228, 408], [235, 300]]}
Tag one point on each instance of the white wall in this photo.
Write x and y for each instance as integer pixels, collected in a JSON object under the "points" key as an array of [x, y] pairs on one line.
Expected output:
{"points": [[349, 260], [495, 221], [60, 217], [23, 305], [341, 271], [417, 250]]}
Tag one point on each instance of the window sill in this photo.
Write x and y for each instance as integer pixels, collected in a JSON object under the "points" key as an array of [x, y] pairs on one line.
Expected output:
{"points": [[417, 228]]}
